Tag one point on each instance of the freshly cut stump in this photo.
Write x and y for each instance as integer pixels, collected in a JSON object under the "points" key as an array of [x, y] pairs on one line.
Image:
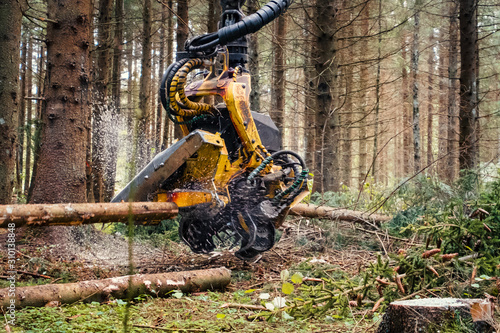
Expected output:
{"points": [[433, 314]]}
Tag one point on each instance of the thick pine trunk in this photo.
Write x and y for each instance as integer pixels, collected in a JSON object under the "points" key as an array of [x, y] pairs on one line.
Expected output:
{"points": [[10, 25], [158, 285], [325, 71], [468, 144], [60, 175]]}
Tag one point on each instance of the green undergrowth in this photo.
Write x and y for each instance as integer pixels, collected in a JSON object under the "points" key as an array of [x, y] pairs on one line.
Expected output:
{"points": [[178, 313]]}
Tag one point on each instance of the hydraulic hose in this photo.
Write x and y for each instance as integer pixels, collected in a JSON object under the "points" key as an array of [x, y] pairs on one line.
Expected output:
{"points": [[165, 86], [247, 25], [177, 87]]}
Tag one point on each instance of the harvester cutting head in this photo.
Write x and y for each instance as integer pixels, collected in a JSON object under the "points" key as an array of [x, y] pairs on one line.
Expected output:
{"points": [[231, 181]]}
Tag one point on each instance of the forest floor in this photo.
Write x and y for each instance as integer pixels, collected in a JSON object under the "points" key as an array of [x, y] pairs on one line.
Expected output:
{"points": [[84, 253]]}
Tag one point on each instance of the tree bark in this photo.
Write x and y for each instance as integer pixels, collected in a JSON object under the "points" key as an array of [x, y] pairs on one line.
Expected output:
{"points": [[425, 315], [415, 53], [325, 71], [10, 26], [21, 117], [170, 50], [377, 95], [161, 69], [468, 144], [430, 106], [407, 146], [115, 103], [452, 93], [60, 175], [277, 112], [159, 285], [443, 109], [29, 117], [253, 60], [86, 213], [100, 99], [144, 88], [309, 210], [363, 87], [182, 34]]}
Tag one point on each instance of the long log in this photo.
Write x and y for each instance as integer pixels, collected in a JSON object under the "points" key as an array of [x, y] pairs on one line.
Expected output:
{"points": [[142, 213], [309, 210], [158, 285], [85, 213]]}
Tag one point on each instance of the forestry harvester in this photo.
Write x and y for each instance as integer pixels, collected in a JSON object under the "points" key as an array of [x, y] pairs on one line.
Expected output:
{"points": [[228, 175]]}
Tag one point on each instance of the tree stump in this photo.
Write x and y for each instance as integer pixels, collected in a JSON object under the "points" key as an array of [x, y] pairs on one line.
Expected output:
{"points": [[436, 314]]}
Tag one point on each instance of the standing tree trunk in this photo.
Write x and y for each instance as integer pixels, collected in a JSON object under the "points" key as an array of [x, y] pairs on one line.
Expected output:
{"points": [[29, 116], [377, 95], [443, 110], [362, 123], [407, 146], [325, 71], [253, 60], [100, 99], [430, 107], [161, 69], [170, 59], [21, 117], [468, 90], [10, 38], [277, 112], [452, 93], [144, 87], [182, 34], [116, 103], [347, 114], [60, 175], [415, 53]]}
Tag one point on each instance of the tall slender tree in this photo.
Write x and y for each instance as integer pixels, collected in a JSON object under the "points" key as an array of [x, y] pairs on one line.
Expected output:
{"points": [[277, 112]]}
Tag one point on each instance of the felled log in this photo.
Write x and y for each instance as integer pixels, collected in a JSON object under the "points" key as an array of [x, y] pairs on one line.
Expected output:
{"points": [[432, 314], [85, 213], [308, 210], [101, 290]]}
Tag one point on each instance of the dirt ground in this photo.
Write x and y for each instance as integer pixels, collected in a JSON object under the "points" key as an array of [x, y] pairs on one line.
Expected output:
{"points": [[85, 253]]}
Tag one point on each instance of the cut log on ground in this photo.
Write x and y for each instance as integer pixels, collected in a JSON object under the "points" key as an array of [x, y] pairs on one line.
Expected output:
{"points": [[435, 314], [143, 213], [101, 290], [308, 210], [85, 213]]}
